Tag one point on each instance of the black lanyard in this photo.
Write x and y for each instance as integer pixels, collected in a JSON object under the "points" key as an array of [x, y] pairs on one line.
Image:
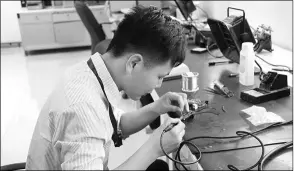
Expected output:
{"points": [[116, 137]]}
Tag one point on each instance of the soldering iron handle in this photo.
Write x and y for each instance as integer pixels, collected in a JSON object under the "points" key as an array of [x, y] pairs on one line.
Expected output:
{"points": [[170, 126]]}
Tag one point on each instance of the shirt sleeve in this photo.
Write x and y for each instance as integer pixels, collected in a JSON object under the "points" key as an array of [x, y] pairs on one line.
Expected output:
{"points": [[80, 136], [118, 113]]}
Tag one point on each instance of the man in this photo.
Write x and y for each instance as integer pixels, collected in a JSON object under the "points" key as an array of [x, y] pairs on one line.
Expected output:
{"points": [[75, 127]]}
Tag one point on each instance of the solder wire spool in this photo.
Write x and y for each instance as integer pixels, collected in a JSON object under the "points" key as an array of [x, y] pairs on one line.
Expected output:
{"points": [[190, 82]]}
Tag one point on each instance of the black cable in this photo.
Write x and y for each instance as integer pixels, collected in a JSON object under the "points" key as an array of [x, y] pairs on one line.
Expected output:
{"points": [[231, 167], [178, 157], [177, 161], [240, 148], [271, 153], [240, 134], [277, 124], [273, 64], [207, 48], [260, 72]]}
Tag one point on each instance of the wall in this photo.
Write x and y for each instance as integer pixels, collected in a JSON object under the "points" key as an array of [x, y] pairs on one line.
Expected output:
{"points": [[277, 14], [9, 24]]}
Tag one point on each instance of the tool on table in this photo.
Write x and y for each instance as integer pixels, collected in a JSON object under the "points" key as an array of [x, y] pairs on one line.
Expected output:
{"points": [[219, 62], [273, 86], [236, 75], [219, 89], [213, 91]]}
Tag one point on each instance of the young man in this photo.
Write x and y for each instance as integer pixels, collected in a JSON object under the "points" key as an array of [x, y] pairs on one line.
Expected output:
{"points": [[75, 127]]}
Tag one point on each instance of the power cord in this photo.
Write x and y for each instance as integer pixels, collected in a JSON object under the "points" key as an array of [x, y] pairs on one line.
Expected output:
{"points": [[261, 73], [240, 134], [271, 153], [283, 66], [207, 48]]}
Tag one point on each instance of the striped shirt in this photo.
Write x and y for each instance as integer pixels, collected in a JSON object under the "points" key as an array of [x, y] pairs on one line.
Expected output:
{"points": [[74, 130]]}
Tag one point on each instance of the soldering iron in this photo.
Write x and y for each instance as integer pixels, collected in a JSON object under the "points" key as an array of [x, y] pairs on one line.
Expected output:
{"points": [[240, 134]]}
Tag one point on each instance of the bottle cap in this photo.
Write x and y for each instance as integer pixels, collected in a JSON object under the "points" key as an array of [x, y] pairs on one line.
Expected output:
{"points": [[247, 46]]}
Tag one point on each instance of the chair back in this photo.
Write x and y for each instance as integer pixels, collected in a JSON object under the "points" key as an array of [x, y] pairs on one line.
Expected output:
{"points": [[93, 27]]}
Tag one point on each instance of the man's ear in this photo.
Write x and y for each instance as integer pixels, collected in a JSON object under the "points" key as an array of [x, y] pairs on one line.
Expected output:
{"points": [[134, 62]]}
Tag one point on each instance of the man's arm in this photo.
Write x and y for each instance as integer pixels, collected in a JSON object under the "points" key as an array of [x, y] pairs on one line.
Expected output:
{"points": [[132, 122], [81, 139]]}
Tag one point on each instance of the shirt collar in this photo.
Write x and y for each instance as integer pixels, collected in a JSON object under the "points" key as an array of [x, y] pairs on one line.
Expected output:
{"points": [[110, 86]]}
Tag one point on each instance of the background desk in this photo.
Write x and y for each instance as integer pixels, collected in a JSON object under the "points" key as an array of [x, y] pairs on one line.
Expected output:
{"points": [[226, 124]]}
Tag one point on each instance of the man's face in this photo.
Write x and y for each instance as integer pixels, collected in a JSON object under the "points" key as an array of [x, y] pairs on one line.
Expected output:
{"points": [[144, 80]]}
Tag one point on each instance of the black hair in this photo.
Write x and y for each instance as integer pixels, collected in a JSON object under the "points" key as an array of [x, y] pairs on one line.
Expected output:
{"points": [[147, 30]]}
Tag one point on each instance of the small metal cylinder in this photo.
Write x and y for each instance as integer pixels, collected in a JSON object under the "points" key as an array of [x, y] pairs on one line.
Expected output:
{"points": [[190, 82]]}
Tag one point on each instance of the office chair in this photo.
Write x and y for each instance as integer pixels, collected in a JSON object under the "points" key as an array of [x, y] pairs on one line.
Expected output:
{"points": [[14, 166], [98, 42], [95, 29]]}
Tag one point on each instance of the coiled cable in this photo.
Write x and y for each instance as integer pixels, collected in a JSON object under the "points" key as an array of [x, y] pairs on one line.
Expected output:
{"points": [[240, 134]]}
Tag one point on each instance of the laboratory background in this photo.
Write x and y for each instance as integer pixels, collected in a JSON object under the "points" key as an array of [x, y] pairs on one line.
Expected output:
{"points": [[41, 39]]}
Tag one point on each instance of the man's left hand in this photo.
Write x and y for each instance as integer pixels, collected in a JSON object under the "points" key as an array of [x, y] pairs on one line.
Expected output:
{"points": [[171, 102]]}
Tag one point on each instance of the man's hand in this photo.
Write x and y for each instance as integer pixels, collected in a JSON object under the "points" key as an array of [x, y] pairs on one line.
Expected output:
{"points": [[171, 139], [171, 102]]}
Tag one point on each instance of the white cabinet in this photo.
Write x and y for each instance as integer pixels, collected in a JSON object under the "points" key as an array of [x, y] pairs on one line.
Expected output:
{"points": [[72, 32], [56, 28], [37, 35]]}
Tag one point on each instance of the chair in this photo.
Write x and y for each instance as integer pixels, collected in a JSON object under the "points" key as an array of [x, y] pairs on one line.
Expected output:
{"points": [[98, 42], [95, 29], [14, 166]]}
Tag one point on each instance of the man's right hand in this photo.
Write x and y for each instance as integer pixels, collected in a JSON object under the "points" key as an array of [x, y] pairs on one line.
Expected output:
{"points": [[171, 139]]}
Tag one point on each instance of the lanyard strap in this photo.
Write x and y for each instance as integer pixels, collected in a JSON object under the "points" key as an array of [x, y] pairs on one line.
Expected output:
{"points": [[116, 138]]}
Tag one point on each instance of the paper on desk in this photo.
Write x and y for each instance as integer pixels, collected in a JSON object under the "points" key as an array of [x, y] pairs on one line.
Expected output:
{"points": [[259, 116]]}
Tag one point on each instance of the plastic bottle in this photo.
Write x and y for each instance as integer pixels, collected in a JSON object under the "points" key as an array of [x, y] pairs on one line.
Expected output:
{"points": [[246, 67]]}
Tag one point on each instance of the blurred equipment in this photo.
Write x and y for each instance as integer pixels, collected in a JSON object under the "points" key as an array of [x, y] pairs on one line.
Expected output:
{"points": [[264, 38], [230, 33], [186, 7], [33, 5], [273, 86], [203, 38], [23, 3]]}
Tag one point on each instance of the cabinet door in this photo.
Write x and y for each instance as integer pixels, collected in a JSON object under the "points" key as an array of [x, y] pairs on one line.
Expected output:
{"points": [[36, 36], [71, 33]]}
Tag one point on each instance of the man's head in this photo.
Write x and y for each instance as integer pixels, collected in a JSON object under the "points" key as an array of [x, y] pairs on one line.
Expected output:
{"points": [[152, 44]]}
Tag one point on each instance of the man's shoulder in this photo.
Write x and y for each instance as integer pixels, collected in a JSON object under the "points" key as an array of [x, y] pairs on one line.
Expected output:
{"points": [[80, 86]]}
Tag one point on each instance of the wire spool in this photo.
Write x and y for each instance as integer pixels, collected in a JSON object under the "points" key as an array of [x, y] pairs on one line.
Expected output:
{"points": [[190, 83]]}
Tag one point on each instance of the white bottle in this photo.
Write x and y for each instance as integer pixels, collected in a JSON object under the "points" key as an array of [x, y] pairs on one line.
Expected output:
{"points": [[246, 67]]}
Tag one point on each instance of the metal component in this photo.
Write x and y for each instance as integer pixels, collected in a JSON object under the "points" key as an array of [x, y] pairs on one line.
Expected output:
{"points": [[190, 82], [224, 90], [198, 107], [213, 91]]}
